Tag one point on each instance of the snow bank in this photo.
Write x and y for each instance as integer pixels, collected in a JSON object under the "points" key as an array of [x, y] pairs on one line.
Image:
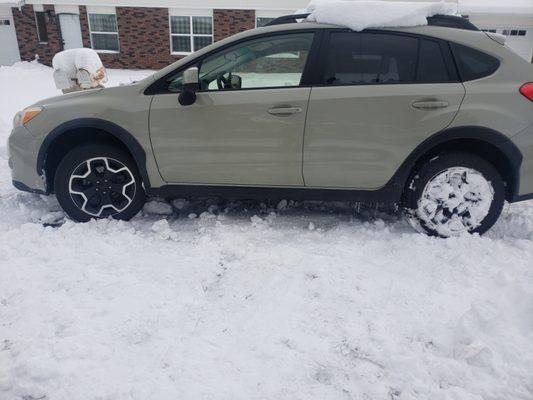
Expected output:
{"points": [[359, 15]]}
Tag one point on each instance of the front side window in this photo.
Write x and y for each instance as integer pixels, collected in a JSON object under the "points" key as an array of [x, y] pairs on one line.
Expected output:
{"points": [[189, 34], [104, 32], [272, 61], [370, 58], [42, 32]]}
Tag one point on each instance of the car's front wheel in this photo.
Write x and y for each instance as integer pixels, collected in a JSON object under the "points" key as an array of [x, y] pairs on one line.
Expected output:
{"points": [[452, 194], [98, 181]]}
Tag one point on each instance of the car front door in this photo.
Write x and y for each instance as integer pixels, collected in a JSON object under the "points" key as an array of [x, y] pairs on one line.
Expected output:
{"points": [[381, 94], [246, 126]]}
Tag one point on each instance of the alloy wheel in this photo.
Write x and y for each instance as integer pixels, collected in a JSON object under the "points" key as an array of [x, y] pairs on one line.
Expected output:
{"points": [[102, 186]]}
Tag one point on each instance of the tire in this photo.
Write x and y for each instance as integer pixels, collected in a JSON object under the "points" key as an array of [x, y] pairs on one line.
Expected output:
{"points": [[452, 194], [98, 181]]}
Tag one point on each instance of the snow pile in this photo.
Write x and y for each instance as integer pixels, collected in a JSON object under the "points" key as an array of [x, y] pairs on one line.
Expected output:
{"points": [[78, 68], [359, 15], [254, 301], [70, 61]]}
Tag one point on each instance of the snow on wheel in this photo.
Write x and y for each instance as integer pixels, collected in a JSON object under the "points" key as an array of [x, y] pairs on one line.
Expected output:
{"points": [[454, 194]]}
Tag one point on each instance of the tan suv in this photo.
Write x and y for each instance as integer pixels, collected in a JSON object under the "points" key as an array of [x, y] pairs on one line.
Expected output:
{"points": [[436, 119]]}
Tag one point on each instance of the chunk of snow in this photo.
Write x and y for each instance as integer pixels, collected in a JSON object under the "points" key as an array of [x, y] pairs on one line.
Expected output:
{"points": [[359, 15], [158, 207]]}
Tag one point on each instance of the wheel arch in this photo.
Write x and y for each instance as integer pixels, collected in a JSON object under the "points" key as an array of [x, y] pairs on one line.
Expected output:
{"points": [[485, 142], [72, 133]]}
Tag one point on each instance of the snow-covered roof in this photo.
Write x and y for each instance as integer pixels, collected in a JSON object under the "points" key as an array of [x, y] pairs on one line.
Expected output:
{"points": [[359, 15]]}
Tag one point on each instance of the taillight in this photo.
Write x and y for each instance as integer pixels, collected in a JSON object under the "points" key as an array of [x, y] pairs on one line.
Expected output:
{"points": [[527, 90]]}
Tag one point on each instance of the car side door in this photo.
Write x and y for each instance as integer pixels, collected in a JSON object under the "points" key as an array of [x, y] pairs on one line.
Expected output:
{"points": [[247, 123], [379, 95]]}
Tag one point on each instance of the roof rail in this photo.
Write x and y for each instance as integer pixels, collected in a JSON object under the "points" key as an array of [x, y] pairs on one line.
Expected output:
{"points": [[448, 21], [287, 19], [452, 21]]}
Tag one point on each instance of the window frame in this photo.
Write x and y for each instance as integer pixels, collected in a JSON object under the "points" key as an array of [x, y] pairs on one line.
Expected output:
{"points": [[191, 33], [443, 44], [35, 12], [103, 51], [159, 87]]}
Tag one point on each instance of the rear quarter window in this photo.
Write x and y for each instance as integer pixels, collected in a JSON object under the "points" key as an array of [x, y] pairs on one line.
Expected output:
{"points": [[473, 64]]}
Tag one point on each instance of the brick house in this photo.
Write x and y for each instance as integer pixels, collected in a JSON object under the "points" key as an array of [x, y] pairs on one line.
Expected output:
{"points": [[151, 34], [136, 37]]}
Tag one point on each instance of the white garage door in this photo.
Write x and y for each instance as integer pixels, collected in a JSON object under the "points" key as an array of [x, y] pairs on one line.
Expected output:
{"points": [[9, 50], [521, 41]]}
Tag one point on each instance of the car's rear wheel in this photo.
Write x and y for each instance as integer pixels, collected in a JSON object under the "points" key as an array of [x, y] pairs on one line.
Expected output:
{"points": [[452, 194], [98, 181]]}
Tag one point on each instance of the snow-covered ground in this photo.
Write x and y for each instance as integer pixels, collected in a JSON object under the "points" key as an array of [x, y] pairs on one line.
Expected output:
{"points": [[243, 300]]}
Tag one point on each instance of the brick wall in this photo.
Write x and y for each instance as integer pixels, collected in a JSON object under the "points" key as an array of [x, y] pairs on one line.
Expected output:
{"points": [[143, 35], [230, 22], [143, 38], [28, 39]]}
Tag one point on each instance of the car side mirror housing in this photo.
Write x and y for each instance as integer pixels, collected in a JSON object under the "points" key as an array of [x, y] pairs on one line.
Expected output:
{"points": [[190, 87]]}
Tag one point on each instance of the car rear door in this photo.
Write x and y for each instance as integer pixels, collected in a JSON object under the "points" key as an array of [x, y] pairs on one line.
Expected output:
{"points": [[380, 94], [250, 134]]}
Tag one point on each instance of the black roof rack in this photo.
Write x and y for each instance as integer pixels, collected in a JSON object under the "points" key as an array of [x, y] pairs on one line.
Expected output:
{"points": [[287, 19], [448, 21], [452, 21]]}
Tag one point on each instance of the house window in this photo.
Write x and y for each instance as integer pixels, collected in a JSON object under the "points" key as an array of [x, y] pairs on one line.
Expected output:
{"points": [[104, 32], [190, 33], [40, 20], [262, 21]]}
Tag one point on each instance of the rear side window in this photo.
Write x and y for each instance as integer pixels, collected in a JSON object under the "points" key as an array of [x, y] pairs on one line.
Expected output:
{"points": [[431, 65], [370, 58], [380, 58], [473, 64]]}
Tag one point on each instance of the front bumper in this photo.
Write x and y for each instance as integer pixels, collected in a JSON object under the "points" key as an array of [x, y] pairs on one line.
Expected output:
{"points": [[23, 148]]}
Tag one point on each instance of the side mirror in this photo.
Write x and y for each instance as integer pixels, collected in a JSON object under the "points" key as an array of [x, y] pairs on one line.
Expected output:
{"points": [[189, 87]]}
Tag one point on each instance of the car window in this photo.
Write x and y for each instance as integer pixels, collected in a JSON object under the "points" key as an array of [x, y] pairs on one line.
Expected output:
{"points": [[273, 61], [370, 58], [431, 64], [473, 64]]}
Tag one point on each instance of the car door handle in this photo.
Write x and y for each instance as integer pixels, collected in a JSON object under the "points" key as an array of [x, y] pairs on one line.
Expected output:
{"points": [[283, 111], [430, 104]]}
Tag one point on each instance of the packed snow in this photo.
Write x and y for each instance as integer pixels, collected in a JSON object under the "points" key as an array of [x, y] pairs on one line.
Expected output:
{"points": [[214, 299], [359, 15]]}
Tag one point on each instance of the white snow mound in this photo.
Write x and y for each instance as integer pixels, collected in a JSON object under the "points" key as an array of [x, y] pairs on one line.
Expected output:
{"points": [[359, 15], [70, 61]]}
